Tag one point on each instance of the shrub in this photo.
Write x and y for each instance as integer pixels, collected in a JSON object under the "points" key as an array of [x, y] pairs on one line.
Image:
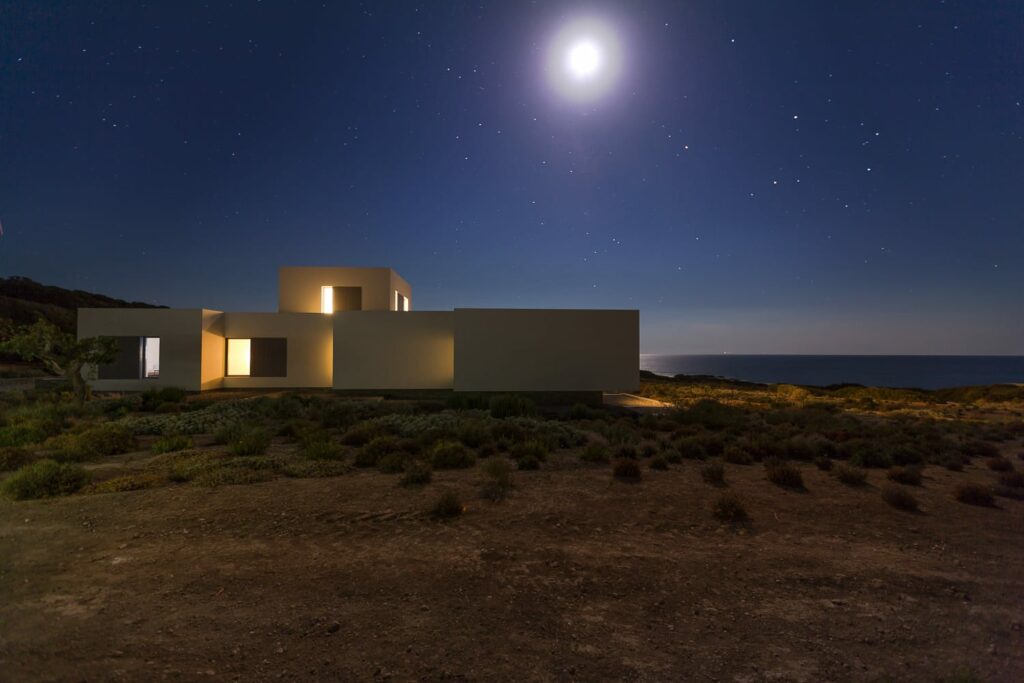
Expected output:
{"points": [[451, 455], [627, 470], [871, 458], [595, 452], [851, 476], [510, 405], [375, 449], [981, 449], [322, 450], [782, 473], [22, 434], [579, 411], [499, 479], [672, 455], [12, 457], [899, 498], [449, 505], [659, 462], [224, 476], [911, 476], [105, 439], [954, 462], [999, 464], [43, 479], [169, 444], [361, 434], [392, 463], [735, 454], [129, 482], [314, 469], [974, 494], [626, 453], [229, 433], [692, 448], [253, 441], [416, 473], [823, 463], [728, 508], [1014, 480], [648, 450], [713, 473], [528, 463], [473, 434], [529, 450], [154, 399]]}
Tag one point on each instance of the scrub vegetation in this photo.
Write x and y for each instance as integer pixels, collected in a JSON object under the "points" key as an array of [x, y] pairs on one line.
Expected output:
{"points": [[810, 495]]}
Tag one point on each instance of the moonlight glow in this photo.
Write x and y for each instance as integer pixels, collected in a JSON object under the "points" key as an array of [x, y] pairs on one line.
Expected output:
{"points": [[584, 60]]}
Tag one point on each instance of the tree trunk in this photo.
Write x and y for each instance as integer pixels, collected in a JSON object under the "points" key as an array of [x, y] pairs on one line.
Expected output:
{"points": [[78, 384]]}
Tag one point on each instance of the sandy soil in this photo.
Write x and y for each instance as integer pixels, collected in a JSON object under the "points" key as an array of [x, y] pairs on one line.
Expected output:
{"points": [[574, 577]]}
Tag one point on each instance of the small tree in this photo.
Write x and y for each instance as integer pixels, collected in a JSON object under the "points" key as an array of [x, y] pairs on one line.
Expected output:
{"points": [[60, 352]]}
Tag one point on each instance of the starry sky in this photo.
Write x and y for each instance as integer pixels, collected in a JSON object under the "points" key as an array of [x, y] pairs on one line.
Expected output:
{"points": [[783, 177]]}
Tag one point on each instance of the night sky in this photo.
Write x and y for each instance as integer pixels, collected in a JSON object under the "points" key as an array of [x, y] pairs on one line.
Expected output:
{"points": [[759, 177]]}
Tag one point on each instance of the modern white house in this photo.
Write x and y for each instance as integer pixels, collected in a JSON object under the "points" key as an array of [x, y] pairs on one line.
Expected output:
{"points": [[355, 329]]}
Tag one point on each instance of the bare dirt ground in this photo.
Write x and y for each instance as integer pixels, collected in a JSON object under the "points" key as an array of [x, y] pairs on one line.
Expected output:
{"points": [[574, 577]]}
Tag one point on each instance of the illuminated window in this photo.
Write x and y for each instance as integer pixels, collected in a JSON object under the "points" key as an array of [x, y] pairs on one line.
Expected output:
{"points": [[238, 356], [259, 357], [401, 301], [151, 357], [327, 299]]}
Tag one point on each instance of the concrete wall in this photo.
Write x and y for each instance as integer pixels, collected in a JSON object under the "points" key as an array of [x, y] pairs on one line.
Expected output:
{"points": [[299, 288], [212, 374], [309, 347], [546, 350], [181, 343], [385, 350]]}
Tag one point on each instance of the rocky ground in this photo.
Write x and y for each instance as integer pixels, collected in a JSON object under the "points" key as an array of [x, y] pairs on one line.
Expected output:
{"points": [[575, 576]]}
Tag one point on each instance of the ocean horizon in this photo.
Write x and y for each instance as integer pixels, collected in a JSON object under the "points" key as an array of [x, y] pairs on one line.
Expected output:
{"points": [[904, 371]]}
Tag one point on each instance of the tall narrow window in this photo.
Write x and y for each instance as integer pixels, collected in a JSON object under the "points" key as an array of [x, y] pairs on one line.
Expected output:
{"points": [[327, 299], [401, 301], [151, 357], [238, 356]]}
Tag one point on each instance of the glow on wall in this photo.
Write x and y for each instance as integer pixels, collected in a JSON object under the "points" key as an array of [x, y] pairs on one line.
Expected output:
{"points": [[238, 356]]}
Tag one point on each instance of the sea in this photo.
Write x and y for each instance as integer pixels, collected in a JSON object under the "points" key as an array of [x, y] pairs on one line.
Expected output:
{"points": [[920, 372]]}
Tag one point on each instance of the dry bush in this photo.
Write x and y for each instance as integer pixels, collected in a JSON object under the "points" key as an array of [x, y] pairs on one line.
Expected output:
{"points": [[899, 498], [627, 470], [911, 476], [713, 473], [784, 474], [851, 476], [974, 494], [999, 464], [447, 506], [728, 508]]}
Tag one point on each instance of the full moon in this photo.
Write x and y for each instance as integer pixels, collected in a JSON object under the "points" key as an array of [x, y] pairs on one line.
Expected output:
{"points": [[584, 60]]}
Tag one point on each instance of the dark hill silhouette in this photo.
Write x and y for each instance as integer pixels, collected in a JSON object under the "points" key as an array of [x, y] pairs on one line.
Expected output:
{"points": [[23, 301]]}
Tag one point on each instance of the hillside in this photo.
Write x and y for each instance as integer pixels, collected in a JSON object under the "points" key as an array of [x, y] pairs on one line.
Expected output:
{"points": [[23, 301]]}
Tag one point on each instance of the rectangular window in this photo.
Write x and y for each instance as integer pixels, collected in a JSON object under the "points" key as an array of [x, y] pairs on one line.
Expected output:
{"points": [[257, 357], [137, 358], [401, 301], [239, 354], [327, 299], [151, 357]]}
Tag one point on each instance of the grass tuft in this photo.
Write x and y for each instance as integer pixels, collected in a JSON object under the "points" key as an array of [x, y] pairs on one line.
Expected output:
{"points": [[171, 443], [911, 476], [417, 473], [626, 470], [499, 479]]}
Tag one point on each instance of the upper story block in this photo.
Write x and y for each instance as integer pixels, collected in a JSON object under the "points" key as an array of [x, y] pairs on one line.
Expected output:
{"points": [[329, 289]]}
